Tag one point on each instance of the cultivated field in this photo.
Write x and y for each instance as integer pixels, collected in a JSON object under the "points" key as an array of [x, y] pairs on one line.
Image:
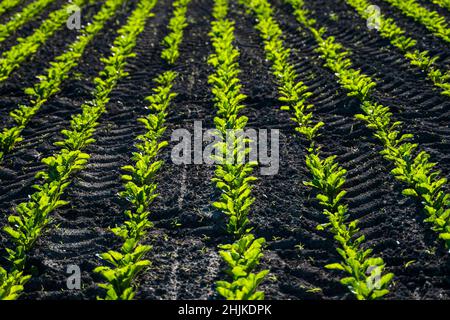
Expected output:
{"points": [[124, 173]]}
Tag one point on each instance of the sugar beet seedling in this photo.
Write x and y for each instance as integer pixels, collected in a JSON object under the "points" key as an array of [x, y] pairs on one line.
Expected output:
{"points": [[442, 3], [140, 191], [29, 13], [26, 47], [177, 25]]}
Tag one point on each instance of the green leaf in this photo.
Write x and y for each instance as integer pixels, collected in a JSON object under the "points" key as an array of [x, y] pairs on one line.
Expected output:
{"points": [[335, 266]]}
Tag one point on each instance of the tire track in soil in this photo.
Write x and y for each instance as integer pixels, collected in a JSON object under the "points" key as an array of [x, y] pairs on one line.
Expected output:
{"points": [[185, 190], [390, 222], [413, 98], [79, 231]]}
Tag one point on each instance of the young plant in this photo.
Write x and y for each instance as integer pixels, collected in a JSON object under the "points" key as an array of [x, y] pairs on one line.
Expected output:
{"points": [[7, 5], [11, 284], [442, 3], [366, 276], [411, 167], [10, 60], [126, 264], [140, 191], [242, 258]]}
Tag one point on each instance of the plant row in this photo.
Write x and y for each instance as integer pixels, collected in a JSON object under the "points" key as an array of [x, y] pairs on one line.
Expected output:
{"points": [[10, 60], [233, 174], [31, 217], [140, 190], [29, 13], [177, 24], [421, 59], [366, 277], [430, 19], [411, 166], [50, 83], [7, 5]]}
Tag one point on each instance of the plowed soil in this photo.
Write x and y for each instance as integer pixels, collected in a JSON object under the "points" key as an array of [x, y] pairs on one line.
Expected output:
{"points": [[185, 262]]}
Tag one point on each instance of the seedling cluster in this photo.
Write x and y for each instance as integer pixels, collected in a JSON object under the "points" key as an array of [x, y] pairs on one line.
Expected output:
{"points": [[177, 25], [140, 192], [237, 269], [233, 177], [442, 3], [30, 12], [26, 47]]}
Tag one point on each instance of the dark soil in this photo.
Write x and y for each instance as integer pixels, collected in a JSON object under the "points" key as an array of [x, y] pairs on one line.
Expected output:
{"points": [[185, 262]]}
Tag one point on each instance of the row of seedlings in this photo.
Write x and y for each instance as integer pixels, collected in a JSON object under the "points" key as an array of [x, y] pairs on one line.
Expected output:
{"points": [[365, 273], [26, 47], [7, 5], [29, 13], [410, 166], [388, 29], [432, 20], [140, 181], [177, 24], [140, 191], [50, 83], [31, 218], [233, 174]]}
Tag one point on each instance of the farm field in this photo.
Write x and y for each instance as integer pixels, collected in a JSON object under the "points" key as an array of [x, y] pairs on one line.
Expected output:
{"points": [[348, 99]]}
